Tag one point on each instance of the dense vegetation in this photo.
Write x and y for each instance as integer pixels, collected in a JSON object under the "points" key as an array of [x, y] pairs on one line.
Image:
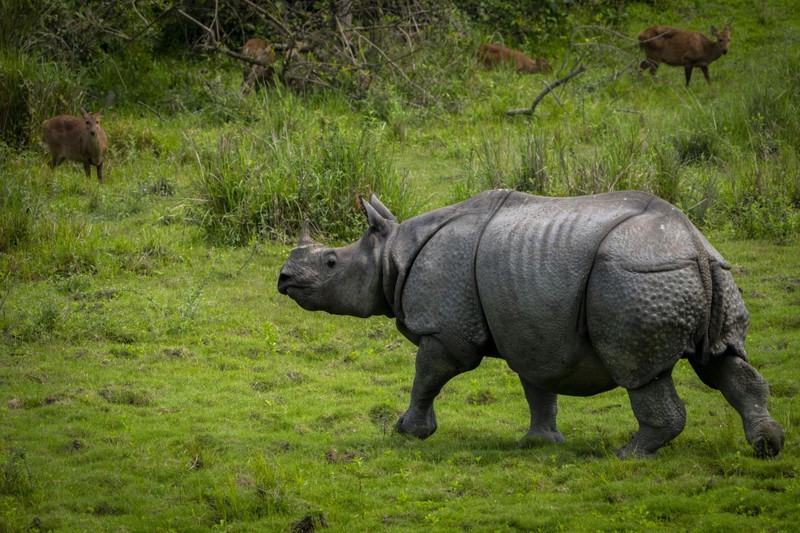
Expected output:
{"points": [[151, 378]]}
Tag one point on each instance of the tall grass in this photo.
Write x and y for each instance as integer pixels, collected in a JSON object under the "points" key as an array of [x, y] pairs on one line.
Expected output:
{"points": [[265, 187], [30, 92], [728, 161]]}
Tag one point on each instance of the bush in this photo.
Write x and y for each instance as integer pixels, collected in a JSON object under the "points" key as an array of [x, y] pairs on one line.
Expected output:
{"points": [[31, 92], [265, 187]]}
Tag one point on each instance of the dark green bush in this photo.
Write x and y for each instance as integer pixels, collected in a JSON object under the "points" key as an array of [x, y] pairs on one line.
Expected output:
{"points": [[30, 92]]}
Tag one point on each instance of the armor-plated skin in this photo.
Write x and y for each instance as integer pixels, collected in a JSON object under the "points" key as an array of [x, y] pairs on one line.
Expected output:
{"points": [[577, 295]]}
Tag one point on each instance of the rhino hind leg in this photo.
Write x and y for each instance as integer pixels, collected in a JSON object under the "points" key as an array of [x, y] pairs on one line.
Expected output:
{"points": [[435, 366], [660, 414], [544, 407], [747, 392]]}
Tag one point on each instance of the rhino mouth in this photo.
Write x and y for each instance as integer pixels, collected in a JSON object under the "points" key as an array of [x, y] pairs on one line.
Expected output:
{"points": [[285, 283], [290, 287]]}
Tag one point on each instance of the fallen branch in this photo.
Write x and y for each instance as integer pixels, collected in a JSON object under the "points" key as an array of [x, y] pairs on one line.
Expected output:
{"points": [[550, 87]]}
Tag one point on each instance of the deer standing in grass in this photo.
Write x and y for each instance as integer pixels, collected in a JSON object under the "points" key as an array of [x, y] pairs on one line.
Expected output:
{"points": [[78, 139], [681, 48], [261, 51], [493, 54]]}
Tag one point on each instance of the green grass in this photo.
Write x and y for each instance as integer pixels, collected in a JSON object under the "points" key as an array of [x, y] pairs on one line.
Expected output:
{"points": [[152, 378]]}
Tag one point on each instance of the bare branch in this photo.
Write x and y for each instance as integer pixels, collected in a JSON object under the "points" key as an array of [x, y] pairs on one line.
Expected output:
{"points": [[550, 87]]}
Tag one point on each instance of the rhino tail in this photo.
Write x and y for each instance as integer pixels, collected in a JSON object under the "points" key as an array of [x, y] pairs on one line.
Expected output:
{"points": [[717, 318], [712, 278]]}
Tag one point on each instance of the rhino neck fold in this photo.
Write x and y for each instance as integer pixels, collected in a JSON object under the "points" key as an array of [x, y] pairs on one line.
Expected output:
{"points": [[405, 244]]}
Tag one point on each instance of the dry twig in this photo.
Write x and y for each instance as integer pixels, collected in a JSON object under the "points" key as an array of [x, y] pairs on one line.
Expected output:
{"points": [[550, 87]]}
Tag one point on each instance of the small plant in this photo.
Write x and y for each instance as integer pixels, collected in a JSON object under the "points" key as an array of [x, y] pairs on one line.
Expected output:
{"points": [[15, 477], [19, 207]]}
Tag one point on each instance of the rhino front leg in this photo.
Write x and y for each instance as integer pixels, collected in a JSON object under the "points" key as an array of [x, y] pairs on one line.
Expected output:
{"points": [[435, 366], [747, 391], [660, 413], [544, 408]]}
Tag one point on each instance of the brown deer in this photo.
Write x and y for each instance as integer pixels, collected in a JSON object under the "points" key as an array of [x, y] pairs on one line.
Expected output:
{"points": [[78, 139], [681, 48], [492, 54], [254, 75]]}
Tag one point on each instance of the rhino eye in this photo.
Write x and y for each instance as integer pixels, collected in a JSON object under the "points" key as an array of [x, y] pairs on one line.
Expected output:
{"points": [[330, 261]]}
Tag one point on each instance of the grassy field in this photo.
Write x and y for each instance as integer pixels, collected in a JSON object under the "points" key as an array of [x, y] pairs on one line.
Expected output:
{"points": [[153, 379]]}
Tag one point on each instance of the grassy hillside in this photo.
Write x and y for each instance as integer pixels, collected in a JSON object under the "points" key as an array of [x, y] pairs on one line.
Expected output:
{"points": [[152, 378]]}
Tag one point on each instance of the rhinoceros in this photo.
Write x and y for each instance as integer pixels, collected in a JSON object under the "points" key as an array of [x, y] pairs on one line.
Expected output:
{"points": [[578, 295]]}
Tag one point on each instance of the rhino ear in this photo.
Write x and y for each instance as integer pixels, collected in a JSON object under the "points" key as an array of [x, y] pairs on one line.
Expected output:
{"points": [[305, 234], [382, 209], [376, 221]]}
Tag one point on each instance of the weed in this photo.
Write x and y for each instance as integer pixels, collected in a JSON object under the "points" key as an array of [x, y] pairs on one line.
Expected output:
{"points": [[15, 477]]}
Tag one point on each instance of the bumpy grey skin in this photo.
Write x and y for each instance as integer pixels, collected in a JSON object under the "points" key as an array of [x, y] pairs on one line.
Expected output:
{"points": [[577, 295]]}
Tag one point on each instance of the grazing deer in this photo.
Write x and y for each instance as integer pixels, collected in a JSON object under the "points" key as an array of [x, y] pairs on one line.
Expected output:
{"points": [[681, 48], [81, 140], [253, 75], [493, 54]]}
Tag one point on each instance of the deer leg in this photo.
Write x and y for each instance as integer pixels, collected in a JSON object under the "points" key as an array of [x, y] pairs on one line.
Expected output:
{"points": [[87, 168], [100, 172], [434, 368], [688, 71], [649, 64], [544, 407], [747, 391], [705, 73]]}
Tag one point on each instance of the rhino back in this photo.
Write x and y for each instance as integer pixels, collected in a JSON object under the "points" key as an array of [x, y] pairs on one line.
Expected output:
{"points": [[532, 267]]}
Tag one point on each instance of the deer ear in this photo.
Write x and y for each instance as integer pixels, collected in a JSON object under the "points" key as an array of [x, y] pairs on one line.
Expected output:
{"points": [[84, 112], [713, 31]]}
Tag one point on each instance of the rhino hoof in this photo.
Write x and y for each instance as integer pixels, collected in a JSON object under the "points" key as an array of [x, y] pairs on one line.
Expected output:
{"points": [[541, 438], [421, 431], [769, 442], [635, 452]]}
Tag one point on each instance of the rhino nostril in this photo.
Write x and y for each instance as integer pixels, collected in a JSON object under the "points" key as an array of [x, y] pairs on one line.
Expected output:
{"points": [[283, 282]]}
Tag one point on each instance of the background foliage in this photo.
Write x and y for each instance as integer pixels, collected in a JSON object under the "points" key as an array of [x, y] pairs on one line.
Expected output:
{"points": [[151, 378]]}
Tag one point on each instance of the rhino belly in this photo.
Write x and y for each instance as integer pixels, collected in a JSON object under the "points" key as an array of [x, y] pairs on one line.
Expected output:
{"points": [[531, 270]]}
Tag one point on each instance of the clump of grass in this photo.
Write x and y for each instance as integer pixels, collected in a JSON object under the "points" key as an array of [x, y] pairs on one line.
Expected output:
{"points": [[266, 187], [74, 248], [31, 91], [15, 477], [125, 395], [40, 320], [19, 207], [693, 146]]}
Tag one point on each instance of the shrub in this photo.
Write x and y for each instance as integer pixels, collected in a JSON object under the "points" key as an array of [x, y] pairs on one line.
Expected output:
{"points": [[30, 92], [266, 187]]}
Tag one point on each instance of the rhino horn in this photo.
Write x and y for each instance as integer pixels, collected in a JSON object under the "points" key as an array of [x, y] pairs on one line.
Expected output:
{"points": [[305, 234]]}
